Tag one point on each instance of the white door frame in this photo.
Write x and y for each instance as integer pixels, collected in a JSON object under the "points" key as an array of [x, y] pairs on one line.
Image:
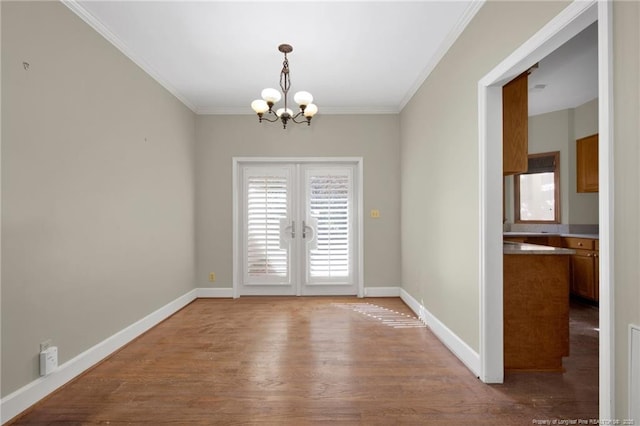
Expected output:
{"points": [[573, 19], [237, 192]]}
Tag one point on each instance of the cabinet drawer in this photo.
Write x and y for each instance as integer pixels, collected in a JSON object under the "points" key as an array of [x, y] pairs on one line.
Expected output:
{"points": [[579, 243]]}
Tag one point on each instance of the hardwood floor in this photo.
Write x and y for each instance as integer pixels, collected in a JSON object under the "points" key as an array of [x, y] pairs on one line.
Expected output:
{"points": [[275, 361]]}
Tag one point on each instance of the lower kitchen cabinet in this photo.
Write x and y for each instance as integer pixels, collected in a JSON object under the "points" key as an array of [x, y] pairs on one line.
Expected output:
{"points": [[585, 267], [536, 311]]}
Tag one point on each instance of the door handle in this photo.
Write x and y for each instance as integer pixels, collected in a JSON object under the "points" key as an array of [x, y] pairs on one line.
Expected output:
{"points": [[309, 233], [284, 230], [308, 229], [291, 227]]}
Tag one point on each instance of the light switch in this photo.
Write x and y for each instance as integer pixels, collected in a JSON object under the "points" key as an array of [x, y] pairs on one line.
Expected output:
{"points": [[375, 214]]}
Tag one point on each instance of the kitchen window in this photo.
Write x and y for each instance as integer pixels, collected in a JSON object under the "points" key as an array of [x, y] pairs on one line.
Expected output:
{"points": [[537, 192]]}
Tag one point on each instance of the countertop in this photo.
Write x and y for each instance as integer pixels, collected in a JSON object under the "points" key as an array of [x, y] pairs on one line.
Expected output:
{"points": [[512, 247], [549, 234]]}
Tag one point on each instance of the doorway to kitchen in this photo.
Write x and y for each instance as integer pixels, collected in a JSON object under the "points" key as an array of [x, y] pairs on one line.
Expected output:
{"points": [[296, 227], [576, 17]]}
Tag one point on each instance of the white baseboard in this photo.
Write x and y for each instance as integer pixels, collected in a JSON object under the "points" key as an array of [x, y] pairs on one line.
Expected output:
{"points": [[228, 292], [18, 401], [214, 292], [460, 349], [382, 292]]}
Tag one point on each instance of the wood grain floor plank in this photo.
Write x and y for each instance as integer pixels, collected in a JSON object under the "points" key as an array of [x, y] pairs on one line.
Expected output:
{"points": [[297, 361]]}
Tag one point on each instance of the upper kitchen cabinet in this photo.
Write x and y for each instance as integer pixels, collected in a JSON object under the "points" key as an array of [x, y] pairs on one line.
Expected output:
{"points": [[587, 164], [515, 125]]}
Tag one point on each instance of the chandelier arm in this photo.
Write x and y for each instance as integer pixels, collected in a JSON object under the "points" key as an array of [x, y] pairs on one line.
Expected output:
{"points": [[264, 117], [298, 115]]}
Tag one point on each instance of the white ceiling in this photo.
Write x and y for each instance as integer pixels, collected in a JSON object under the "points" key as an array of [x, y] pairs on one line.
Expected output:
{"points": [[353, 56], [569, 74], [217, 56]]}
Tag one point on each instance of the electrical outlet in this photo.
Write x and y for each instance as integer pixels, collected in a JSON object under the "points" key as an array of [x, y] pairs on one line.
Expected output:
{"points": [[48, 360], [212, 276], [45, 345], [375, 214]]}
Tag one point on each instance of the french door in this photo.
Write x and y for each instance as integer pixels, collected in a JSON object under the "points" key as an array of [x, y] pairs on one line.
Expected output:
{"points": [[297, 229]]}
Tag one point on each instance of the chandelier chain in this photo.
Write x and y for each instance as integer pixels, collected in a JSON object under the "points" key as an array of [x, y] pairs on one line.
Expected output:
{"points": [[285, 79]]}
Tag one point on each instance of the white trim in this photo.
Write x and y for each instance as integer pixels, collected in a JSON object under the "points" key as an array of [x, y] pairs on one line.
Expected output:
{"points": [[214, 293], [606, 211], [18, 401], [360, 259], [573, 19], [579, 14], [455, 344], [444, 47], [490, 253], [236, 197], [634, 372], [382, 292], [357, 160], [325, 110], [101, 29]]}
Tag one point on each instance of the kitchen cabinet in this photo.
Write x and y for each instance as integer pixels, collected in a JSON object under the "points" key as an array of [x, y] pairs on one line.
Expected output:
{"points": [[515, 125], [587, 164], [585, 268], [536, 311]]}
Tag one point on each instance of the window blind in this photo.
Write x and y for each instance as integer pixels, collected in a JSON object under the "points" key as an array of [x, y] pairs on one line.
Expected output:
{"points": [[544, 164], [329, 205], [266, 205]]}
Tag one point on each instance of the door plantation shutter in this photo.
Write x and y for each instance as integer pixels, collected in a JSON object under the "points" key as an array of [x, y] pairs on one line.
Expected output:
{"points": [[267, 204], [329, 202]]}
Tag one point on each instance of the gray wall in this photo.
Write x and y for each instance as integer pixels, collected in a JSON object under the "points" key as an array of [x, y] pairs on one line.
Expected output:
{"points": [[439, 164], [626, 196], [373, 137], [583, 207], [97, 189], [552, 132], [439, 144]]}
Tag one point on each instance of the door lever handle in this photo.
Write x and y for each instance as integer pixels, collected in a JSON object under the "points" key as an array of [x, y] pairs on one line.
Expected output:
{"points": [[304, 230], [293, 229]]}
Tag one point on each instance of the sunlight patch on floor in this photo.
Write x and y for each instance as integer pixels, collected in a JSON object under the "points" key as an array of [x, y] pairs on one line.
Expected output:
{"points": [[388, 317]]}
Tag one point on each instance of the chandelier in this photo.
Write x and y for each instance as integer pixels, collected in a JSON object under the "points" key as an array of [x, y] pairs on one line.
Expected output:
{"points": [[264, 107]]}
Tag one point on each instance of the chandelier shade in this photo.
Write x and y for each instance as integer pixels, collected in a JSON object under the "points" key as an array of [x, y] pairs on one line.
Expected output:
{"points": [[264, 107]]}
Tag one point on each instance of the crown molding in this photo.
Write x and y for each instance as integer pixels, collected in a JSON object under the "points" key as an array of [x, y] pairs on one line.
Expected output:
{"points": [[446, 44], [324, 110], [101, 29]]}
